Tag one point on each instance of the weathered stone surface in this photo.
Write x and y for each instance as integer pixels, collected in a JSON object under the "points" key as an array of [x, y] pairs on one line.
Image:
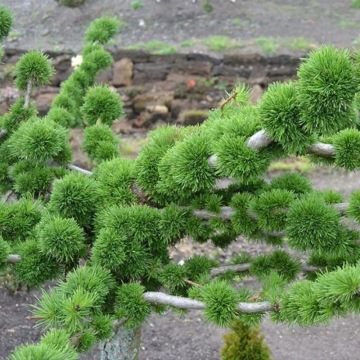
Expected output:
{"points": [[8, 96], [163, 88], [145, 72], [6, 73], [157, 109], [3, 107], [179, 105], [192, 117], [242, 71], [43, 102], [62, 66], [123, 72], [148, 119], [143, 101], [193, 67], [104, 76], [243, 59]]}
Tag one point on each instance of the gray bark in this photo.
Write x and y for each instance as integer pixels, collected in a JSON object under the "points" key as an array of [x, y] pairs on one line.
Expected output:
{"points": [[124, 345]]}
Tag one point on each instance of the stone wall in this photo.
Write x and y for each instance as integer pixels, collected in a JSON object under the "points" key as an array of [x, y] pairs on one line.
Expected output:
{"points": [[155, 88]]}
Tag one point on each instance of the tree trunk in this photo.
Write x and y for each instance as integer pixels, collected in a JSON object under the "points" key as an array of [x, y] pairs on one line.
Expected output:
{"points": [[124, 345]]}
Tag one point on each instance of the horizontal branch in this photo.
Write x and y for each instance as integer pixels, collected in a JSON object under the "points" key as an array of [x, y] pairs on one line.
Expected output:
{"points": [[227, 212], [238, 268], [321, 149], [226, 268], [79, 169], [260, 140], [189, 304], [13, 258]]}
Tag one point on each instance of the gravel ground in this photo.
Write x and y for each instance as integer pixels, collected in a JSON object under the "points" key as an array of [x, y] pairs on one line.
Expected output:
{"points": [[47, 25]]}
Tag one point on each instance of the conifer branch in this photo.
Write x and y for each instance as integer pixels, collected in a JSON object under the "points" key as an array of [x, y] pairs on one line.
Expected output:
{"points": [[259, 140], [190, 304], [79, 169], [321, 149], [225, 268]]}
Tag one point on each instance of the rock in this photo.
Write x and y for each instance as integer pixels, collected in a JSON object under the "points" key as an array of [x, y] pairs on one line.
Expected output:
{"points": [[123, 72], [193, 117], [3, 107], [63, 69], [148, 119], [104, 76], [256, 93], [122, 127], [242, 71], [178, 106], [7, 72], [193, 67], [145, 72], [43, 102], [158, 109], [141, 101], [144, 101]]}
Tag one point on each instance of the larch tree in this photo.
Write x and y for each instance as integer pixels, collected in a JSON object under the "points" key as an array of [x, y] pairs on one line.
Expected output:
{"points": [[105, 234]]}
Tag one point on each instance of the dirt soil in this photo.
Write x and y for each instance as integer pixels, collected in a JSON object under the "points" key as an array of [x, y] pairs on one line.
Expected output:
{"points": [[189, 337], [47, 25]]}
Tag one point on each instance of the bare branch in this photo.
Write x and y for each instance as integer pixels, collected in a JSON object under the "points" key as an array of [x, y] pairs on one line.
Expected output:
{"points": [[246, 267], [225, 268], [188, 304], [226, 212], [13, 258], [3, 133], [259, 140], [79, 169], [321, 149], [224, 183], [28, 94]]}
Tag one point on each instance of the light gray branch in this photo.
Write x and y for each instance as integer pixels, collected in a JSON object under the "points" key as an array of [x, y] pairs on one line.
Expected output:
{"points": [[225, 268], [3, 133], [79, 169], [226, 212], [28, 94], [259, 140], [13, 258], [321, 149], [246, 267], [224, 183], [188, 304]]}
